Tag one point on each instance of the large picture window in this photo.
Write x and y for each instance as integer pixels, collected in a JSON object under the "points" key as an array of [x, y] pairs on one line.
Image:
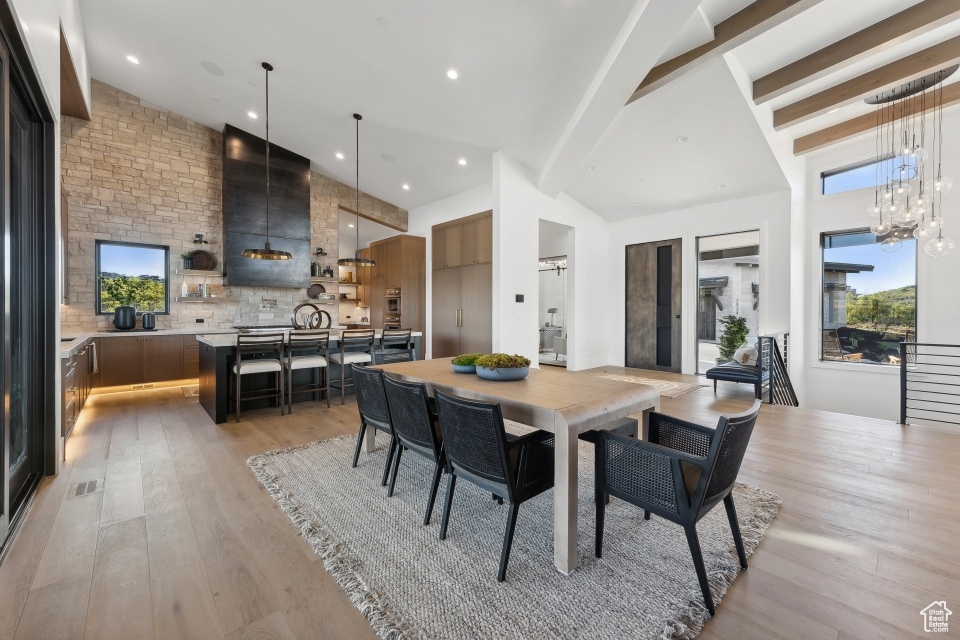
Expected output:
{"points": [[134, 274], [869, 298]]}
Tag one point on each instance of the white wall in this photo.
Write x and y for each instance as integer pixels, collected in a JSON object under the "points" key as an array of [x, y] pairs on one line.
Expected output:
{"points": [[518, 208], [419, 223], [769, 213]]}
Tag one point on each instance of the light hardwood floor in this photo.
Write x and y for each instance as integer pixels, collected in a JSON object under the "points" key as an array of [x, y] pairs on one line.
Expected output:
{"points": [[180, 541]]}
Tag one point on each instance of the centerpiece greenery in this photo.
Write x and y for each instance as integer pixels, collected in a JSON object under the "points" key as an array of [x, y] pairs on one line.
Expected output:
{"points": [[502, 361], [734, 335], [467, 359]]}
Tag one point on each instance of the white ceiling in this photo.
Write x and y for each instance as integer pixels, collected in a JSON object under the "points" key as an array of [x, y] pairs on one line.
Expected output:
{"points": [[641, 169], [370, 231], [523, 67]]}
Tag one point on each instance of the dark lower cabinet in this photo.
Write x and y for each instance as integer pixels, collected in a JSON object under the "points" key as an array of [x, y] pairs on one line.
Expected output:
{"points": [[141, 359], [121, 361], [162, 358]]}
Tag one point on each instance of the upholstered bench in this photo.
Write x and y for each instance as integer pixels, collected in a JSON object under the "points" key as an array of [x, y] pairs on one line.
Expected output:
{"points": [[735, 372]]}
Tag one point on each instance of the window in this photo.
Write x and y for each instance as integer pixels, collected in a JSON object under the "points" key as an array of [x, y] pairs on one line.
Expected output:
{"points": [[869, 298], [135, 274], [862, 175]]}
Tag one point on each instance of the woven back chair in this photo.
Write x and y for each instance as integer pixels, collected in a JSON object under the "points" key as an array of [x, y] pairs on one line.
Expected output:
{"points": [[374, 413], [307, 349], [257, 353], [680, 474], [479, 450], [389, 356], [415, 428]]}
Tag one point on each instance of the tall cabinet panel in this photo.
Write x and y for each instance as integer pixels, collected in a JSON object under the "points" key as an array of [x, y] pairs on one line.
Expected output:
{"points": [[463, 286], [400, 264]]}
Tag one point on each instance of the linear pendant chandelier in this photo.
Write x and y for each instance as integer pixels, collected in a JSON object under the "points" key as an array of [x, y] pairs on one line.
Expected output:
{"points": [[356, 260], [267, 253]]}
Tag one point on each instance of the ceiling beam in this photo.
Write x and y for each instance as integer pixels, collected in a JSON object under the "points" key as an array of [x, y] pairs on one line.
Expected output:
{"points": [[646, 33], [868, 122], [871, 83], [907, 24], [742, 26]]}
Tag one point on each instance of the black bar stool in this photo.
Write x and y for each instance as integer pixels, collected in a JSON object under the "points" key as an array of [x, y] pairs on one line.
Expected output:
{"points": [[250, 351], [307, 349], [355, 348]]}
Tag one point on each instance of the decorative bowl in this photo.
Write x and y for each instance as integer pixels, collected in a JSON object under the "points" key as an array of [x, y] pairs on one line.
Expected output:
{"points": [[465, 368], [503, 375]]}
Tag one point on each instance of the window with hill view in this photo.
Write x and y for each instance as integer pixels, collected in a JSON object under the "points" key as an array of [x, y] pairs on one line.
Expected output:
{"points": [[132, 274], [869, 298]]}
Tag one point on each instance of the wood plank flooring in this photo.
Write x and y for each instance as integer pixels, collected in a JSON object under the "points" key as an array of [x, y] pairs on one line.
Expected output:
{"points": [[179, 540]]}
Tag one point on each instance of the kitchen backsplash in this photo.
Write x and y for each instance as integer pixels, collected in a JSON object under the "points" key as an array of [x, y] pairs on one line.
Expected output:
{"points": [[139, 173]]}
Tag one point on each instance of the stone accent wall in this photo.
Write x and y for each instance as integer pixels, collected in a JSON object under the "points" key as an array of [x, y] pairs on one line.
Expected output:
{"points": [[140, 173]]}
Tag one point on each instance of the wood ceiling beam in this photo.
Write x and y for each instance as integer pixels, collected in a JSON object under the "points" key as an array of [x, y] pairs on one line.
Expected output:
{"points": [[907, 24], [742, 26], [871, 83], [868, 122]]}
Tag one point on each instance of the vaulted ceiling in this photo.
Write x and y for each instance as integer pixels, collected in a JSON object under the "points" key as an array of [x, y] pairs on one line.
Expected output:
{"points": [[544, 81]]}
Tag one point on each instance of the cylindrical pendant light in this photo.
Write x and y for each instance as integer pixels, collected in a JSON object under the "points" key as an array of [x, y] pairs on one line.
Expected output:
{"points": [[267, 253], [356, 260]]}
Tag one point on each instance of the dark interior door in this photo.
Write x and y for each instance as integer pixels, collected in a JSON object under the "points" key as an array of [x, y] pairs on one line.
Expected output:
{"points": [[707, 316], [653, 299]]}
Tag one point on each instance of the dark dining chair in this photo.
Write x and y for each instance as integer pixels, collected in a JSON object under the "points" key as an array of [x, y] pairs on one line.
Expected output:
{"points": [[415, 429], [479, 450], [680, 474], [374, 414]]}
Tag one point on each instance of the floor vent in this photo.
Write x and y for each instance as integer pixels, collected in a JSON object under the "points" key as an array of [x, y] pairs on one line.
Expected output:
{"points": [[149, 385], [86, 488]]}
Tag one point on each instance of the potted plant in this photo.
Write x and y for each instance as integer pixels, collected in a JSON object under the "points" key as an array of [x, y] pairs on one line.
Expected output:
{"points": [[466, 363], [187, 260], [733, 337], [500, 366]]}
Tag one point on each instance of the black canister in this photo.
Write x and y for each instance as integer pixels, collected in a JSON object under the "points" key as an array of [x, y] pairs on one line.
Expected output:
{"points": [[125, 317], [148, 321], [314, 269]]}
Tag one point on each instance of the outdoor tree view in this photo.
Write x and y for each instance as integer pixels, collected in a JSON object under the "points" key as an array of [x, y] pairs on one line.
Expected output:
{"points": [[132, 274], [869, 299]]}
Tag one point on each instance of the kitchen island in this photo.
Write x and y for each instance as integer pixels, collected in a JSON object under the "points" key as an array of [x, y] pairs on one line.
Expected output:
{"points": [[216, 362]]}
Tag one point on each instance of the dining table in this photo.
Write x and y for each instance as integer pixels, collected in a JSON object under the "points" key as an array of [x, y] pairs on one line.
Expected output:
{"points": [[565, 403]]}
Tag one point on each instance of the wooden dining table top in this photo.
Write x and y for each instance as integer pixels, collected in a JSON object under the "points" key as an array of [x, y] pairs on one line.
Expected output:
{"points": [[584, 399]]}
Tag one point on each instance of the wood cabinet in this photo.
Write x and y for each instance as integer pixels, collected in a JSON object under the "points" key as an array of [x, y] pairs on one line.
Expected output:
{"points": [[147, 358], [121, 361], [463, 286], [401, 263], [364, 274], [76, 383], [162, 358], [191, 357]]}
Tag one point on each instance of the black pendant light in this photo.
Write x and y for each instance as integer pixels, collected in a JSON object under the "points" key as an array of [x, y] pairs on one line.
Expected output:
{"points": [[267, 253], [356, 260]]}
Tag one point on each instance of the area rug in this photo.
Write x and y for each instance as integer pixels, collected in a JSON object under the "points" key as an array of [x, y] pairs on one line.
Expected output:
{"points": [[667, 388], [410, 584]]}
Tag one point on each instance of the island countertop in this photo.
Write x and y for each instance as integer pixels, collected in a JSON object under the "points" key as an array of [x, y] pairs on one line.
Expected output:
{"points": [[230, 339]]}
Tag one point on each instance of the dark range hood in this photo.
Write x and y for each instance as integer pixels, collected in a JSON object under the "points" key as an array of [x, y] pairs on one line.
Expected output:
{"points": [[245, 212]]}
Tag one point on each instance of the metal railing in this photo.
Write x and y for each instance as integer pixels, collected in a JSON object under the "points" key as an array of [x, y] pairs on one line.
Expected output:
{"points": [[930, 382], [775, 385]]}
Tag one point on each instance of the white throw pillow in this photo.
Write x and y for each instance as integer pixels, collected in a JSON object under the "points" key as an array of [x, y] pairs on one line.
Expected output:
{"points": [[746, 356]]}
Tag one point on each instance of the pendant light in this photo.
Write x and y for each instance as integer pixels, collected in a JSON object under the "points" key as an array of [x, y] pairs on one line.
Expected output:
{"points": [[356, 260], [267, 253]]}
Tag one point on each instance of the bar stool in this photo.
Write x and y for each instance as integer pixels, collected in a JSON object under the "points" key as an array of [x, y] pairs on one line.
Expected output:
{"points": [[253, 345], [307, 349], [359, 342], [396, 339]]}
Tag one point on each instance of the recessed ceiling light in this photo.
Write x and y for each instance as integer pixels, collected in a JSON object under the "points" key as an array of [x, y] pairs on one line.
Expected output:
{"points": [[637, 204], [834, 110], [133, 60], [721, 186], [252, 114], [462, 161], [212, 68], [216, 98], [350, 225], [592, 167], [388, 158], [682, 139], [339, 156], [381, 21], [452, 74], [406, 187]]}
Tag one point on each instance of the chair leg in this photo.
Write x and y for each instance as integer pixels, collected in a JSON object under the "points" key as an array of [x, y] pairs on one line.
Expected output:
{"points": [[343, 392], [356, 454], [236, 413], [601, 513], [326, 385], [694, 543], [438, 474], [714, 387], [396, 469], [280, 391], [451, 483], [646, 514], [508, 540], [735, 529], [386, 467]]}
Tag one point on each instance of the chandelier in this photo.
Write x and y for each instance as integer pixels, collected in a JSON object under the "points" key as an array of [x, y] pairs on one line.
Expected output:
{"points": [[910, 184]]}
